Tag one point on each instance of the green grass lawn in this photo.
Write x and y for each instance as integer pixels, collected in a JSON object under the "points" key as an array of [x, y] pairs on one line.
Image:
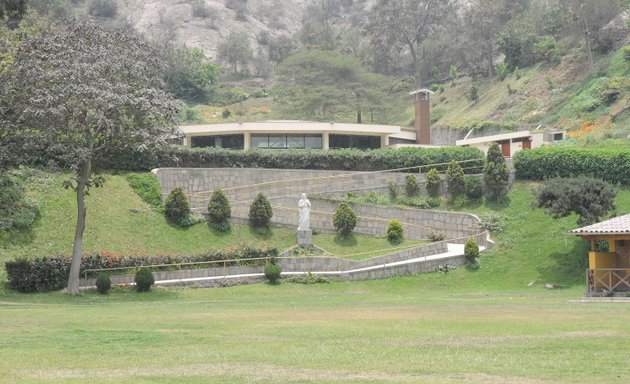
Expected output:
{"points": [[400, 330], [493, 325], [118, 221]]}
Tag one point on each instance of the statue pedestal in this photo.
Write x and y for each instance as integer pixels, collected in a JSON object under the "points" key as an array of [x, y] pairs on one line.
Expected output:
{"points": [[305, 237]]}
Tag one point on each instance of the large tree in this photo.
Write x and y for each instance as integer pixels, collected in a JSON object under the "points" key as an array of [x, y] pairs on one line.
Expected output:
{"points": [[81, 91], [496, 174], [236, 52], [408, 24], [321, 84], [13, 11]]}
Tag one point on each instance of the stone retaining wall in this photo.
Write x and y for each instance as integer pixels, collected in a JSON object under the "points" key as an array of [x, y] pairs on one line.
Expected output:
{"points": [[318, 264], [243, 184]]}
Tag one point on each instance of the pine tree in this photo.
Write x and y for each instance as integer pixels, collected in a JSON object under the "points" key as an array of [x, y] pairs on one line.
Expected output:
{"points": [[455, 179], [496, 174]]}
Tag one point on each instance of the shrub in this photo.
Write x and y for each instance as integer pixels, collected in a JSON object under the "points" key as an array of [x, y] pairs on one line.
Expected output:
{"points": [[39, 275], [395, 231], [474, 188], [226, 113], [103, 283], [517, 73], [411, 186], [103, 8], [491, 222], [419, 202], [473, 93], [344, 219], [589, 198], [496, 174], [144, 280], [455, 179], [433, 183], [502, 70], [545, 163], [273, 271], [392, 188], [147, 186], [471, 252], [16, 211], [545, 49], [260, 212], [434, 237], [219, 210], [200, 9], [176, 207]]}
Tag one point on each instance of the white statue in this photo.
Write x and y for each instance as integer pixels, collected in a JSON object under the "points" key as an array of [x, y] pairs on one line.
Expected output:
{"points": [[305, 212]]}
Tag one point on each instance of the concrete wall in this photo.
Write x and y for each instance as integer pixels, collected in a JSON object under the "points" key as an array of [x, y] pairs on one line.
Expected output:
{"points": [[374, 268]]}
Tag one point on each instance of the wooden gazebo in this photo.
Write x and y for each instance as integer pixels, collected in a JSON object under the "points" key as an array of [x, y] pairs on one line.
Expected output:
{"points": [[608, 270]]}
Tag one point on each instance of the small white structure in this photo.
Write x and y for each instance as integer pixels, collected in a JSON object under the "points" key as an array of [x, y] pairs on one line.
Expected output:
{"points": [[514, 141], [304, 206]]}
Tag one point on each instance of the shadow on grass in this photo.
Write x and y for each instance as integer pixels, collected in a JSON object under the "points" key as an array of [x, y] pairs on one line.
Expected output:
{"points": [[17, 237], [569, 267], [264, 233], [345, 241]]}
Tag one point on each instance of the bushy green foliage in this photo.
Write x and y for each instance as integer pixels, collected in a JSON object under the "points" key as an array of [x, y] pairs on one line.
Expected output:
{"points": [[16, 210], [471, 252], [260, 212], [544, 163], [473, 93], [545, 49], [38, 275], [473, 187], [395, 231], [453, 71], [433, 183], [176, 207], [51, 273], [455, 179], [420, 202], [517, 73], [502, 70], [144, 280], [496, 174], [411, 186], [103, 283], [338, 159], [344, 219], [309, 278], [219, 210], [273, 271], [591, 199], [435, 236], [191, 75], [147, 186]]}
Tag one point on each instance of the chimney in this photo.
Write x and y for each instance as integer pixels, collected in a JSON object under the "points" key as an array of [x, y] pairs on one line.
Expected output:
{"points": [[423, 116]]}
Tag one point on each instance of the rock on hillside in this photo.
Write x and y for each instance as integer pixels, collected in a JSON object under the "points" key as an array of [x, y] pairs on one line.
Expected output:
{"points": [[174, 20]]}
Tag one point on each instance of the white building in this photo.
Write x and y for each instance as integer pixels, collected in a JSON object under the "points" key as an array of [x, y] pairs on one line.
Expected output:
{"points": [[514, 141]]}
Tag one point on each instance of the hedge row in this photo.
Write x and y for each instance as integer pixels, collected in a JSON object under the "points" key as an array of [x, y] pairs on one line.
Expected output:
{"points": [[543, 163], [338, 159], [51, 273]]}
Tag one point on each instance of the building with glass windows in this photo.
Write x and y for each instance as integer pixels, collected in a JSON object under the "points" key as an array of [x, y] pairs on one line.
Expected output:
{"points": [[287, 134]]}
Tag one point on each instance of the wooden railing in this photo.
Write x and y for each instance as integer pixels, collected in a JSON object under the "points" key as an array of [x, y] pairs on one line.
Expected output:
{"points": [[607, 280]]}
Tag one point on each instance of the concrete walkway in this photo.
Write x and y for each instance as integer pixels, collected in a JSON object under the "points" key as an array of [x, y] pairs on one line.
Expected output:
{"points": [[454, 250]]}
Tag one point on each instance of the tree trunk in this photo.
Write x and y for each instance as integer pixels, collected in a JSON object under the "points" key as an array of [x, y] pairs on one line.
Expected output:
{"points": [[83, 175], [587, 37], [490, 58], [359, 116]]}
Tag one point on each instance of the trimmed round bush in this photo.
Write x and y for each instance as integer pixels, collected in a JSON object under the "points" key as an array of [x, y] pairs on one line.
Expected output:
{"points": [[144, 279], [474, 188], [273, 271], [260, 212], [103, 283], [411, 186], [395, 231], [219, 210], [344, 219], [433, 182], [471, 252], [176, 207]]}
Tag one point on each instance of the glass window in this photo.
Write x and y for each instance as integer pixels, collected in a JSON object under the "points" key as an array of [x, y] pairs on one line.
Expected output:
{"points": [[295, 141], [260, 141], [313, 141], [277, 141], [202, 141]]}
